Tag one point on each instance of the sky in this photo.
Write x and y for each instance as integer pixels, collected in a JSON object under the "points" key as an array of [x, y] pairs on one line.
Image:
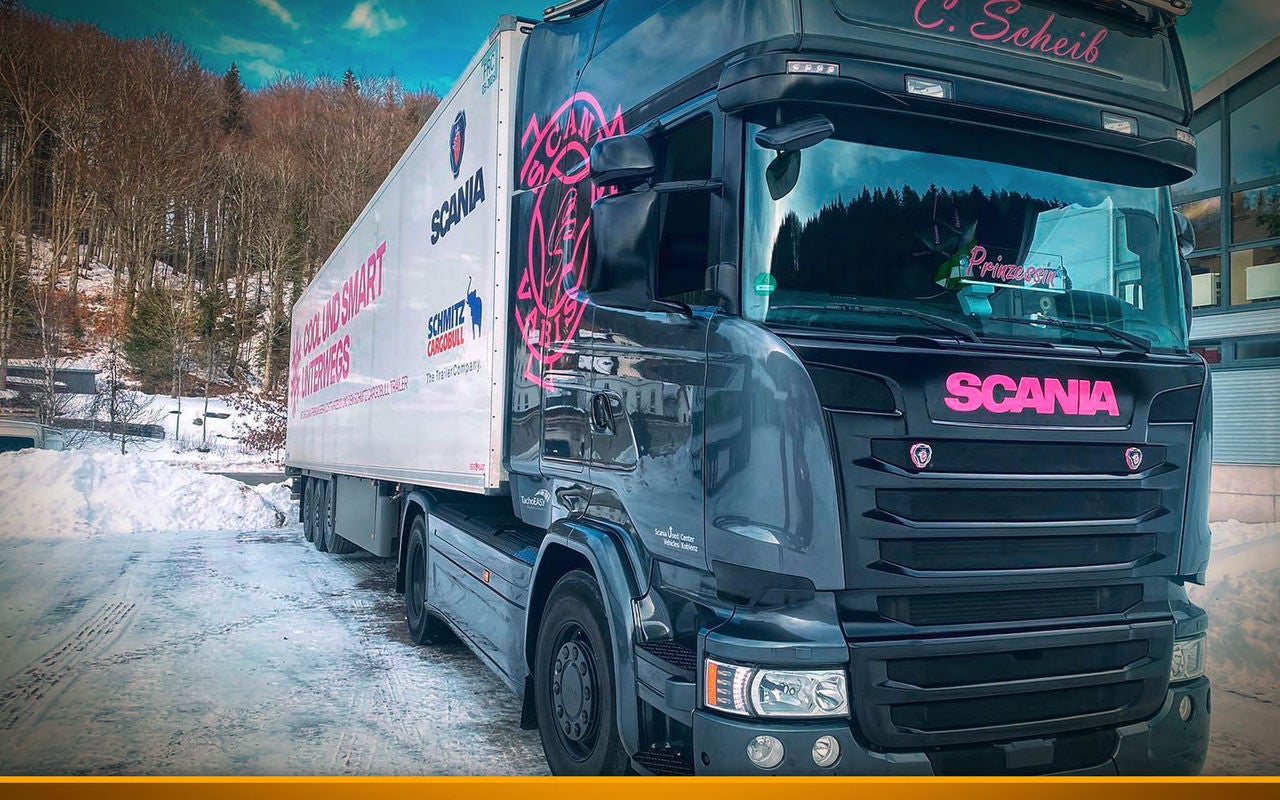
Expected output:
{"points": [[427, 43]]}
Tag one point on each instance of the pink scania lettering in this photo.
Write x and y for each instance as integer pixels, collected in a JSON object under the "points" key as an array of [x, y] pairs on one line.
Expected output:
{"points": [[1002, 394]]}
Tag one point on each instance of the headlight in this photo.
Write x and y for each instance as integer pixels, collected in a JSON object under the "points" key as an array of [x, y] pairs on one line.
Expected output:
{"points": [[1188, 660], [775, 692]]}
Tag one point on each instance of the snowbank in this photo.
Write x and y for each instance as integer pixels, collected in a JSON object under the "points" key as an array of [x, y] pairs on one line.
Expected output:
{"points": [[1233, 532], [70, 493]]}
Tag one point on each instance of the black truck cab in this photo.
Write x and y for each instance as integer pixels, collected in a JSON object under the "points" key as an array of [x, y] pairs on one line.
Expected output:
{"points": [[854, 428]]}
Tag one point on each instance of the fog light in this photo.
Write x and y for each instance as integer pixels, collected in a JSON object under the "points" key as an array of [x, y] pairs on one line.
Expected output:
{"points": [[1184, 708], [765, 752], [826, 751]]}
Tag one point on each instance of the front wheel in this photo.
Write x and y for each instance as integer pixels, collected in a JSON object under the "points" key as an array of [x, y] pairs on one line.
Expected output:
{"points": [[423, 627], [574, 682]]}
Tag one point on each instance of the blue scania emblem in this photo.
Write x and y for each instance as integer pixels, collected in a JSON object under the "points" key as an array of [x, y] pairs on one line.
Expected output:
{"points": [[457, 141]]}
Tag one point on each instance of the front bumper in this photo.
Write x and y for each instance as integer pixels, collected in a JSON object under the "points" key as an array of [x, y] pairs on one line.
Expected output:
{"points": [[1161, 745]]}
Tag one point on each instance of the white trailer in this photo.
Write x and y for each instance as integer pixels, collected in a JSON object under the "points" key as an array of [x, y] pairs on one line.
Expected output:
{"points": [[399, 341]]}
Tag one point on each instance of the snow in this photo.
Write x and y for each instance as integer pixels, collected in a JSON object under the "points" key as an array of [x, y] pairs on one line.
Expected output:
{"points": [[1234, 532], [213, 445], [46, 493]]}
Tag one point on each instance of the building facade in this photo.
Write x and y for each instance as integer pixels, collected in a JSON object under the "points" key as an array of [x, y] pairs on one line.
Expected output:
{"points": [[1234, 206]]}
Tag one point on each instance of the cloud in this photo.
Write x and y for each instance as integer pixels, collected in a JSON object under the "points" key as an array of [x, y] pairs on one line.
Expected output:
{"points": [[265, 71], [370, 20], [278, 11], [231, 46]]}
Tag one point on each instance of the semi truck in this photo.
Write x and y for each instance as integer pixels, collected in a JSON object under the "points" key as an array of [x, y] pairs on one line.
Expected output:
{"points": [[788, 386]]}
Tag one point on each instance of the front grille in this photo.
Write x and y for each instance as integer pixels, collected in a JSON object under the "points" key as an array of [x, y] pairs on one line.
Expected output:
{"points": [[998, 688], [1017, 458], [1018, 665], [1017, 505], [1015, 709], [964, 608], [1016, 552]]}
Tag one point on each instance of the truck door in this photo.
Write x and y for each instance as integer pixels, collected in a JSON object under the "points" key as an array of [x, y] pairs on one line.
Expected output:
{"points": [[648, 366]]}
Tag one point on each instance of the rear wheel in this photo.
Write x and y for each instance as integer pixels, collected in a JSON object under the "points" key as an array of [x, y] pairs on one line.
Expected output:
{"points": [[321, 526], [308, 509], [574, 682], [333, 542], [424, 628]]}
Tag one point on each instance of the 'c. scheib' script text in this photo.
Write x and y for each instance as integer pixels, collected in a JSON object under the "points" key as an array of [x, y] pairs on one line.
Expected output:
{"points": [[1006, 22]]}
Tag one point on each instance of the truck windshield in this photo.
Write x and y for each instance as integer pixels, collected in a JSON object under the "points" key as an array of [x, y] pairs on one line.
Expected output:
{"points": [[876, 239]]}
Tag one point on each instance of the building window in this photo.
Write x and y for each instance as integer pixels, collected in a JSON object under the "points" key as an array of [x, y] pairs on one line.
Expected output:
{"points": [[1255, 148], [1254, 349], [1255, 275], [1208, 175], [1206, 281], [1255, 214], [1206, 218], [1212, 353]]}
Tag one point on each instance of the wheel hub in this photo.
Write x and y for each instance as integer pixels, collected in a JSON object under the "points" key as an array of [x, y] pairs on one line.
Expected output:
{"points": [[573, 691]]}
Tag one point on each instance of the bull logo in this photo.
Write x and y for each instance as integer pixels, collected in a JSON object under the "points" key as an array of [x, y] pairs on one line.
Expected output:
{"points": [[921, 455], [457, 142], [1133, 457], [476, 307]]}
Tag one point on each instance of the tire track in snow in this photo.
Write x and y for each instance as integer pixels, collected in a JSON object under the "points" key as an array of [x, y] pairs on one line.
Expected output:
{"points": [[42, 681]]}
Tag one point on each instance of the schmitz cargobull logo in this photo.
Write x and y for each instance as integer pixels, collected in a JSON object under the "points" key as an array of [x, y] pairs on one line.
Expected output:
{"points": [[447, 328]]}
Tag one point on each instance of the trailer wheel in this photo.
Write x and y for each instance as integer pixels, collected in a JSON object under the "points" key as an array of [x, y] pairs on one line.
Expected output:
{"points": [[332, 541], [308, 509], [574, 682], [423, 627], [320, 530]]}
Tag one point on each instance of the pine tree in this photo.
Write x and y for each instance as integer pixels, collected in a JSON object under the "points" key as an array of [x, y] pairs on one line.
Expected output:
{"points": [[233, 118], [350, 85]]}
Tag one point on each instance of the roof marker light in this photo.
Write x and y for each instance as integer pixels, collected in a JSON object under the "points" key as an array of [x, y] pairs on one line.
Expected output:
{"points": [[813, 68], [1119, 123], [1186, 137], [929, 87]]}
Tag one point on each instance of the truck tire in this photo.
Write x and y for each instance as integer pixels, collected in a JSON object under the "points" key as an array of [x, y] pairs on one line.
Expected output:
{"points": [[308, 509], [424, 628], [332, 541], [574, 682], [320, 532]]}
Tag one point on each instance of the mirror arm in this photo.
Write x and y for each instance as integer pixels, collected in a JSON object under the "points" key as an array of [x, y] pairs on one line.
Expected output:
{"points": [[707, 185]]}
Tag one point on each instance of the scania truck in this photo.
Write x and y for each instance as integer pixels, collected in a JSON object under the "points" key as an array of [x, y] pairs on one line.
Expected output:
{"points": [[788, 386]]}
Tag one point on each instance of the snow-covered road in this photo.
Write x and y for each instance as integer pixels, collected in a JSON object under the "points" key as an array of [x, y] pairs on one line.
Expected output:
{"points": [[232, 654]]}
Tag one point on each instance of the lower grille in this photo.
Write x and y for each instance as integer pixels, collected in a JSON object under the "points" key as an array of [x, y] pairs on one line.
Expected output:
{"points": [[1073, 751], [1015, 709], [1018, 665], [1014, 553], [980, 690], [974, 607], [1017, 505]]}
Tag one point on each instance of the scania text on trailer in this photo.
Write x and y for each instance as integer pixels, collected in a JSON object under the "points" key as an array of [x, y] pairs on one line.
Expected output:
{"points": [[795, 386]]}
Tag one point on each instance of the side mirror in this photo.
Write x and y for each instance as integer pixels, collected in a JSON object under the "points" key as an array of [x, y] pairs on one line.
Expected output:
{"points": [[1186, 233], [624, 248], [722, 280], [621, 160]]}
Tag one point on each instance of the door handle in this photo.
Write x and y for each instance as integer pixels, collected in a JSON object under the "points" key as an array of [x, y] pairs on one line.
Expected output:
{"points": [[602, 414]]}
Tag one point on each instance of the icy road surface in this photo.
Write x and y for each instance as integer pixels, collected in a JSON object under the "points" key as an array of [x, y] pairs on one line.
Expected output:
{"points": [[232, 654], [162, 653]]}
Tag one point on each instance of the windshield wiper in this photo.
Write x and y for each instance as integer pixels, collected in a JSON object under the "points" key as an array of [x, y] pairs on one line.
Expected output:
{"points": [[959, 329], [1039, 319]]}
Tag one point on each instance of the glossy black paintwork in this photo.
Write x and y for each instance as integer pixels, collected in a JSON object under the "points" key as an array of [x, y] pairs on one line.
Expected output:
{"points": [[658, 443]]}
